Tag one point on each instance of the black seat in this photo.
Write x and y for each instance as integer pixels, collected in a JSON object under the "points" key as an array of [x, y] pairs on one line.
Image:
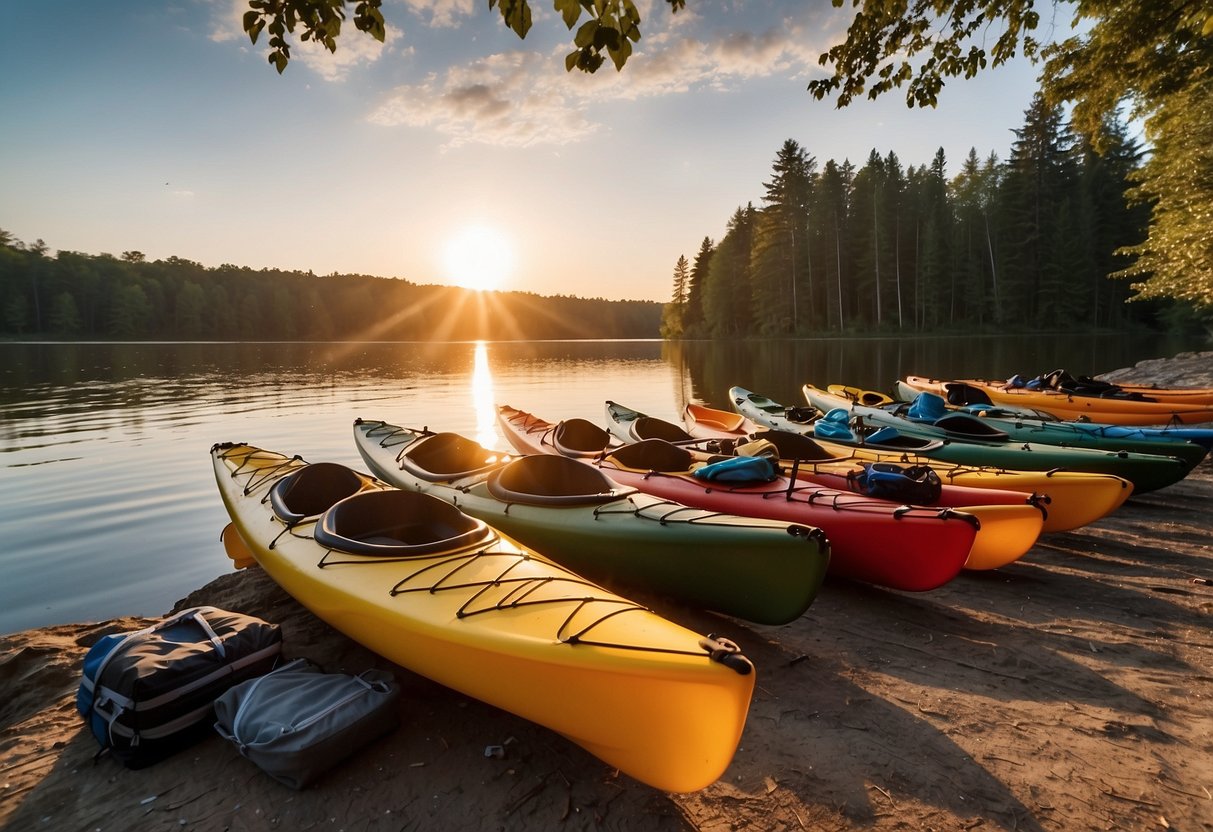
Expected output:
{"points": [[448, 456], [394, 523], [970, 427], [553, 480], [653, 455], [313, 490], [580, 437], [649, 427], [794, 445]]}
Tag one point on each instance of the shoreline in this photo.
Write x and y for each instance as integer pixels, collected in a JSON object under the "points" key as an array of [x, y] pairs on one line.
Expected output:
{"points": [[1070, 690]]}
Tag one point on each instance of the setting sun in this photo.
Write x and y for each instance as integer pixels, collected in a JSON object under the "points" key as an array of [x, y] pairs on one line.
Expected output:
{"points": [[478, 257]]}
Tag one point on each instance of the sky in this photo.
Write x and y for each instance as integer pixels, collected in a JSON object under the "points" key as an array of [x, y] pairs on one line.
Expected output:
{"points": [[453, 153]]}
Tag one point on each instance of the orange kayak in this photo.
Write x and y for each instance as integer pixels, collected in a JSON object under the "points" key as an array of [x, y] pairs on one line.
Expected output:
{"points": [[1115, 411]]}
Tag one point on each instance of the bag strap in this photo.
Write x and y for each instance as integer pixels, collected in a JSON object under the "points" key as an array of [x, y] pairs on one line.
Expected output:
{"points": [[210, 633], [243, 707]]}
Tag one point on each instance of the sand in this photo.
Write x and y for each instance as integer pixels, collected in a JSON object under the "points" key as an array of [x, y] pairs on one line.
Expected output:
{"points": [[1072, 690]]}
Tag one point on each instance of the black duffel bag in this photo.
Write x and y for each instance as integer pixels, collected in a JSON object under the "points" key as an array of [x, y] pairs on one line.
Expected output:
{"points": [[147, 694]]}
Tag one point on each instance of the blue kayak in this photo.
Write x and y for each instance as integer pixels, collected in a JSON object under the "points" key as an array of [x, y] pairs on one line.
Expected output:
{"points": [[1031, 418]]}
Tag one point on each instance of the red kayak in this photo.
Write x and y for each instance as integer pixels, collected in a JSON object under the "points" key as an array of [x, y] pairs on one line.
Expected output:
{"points": [[871, 540], [900, 547]]}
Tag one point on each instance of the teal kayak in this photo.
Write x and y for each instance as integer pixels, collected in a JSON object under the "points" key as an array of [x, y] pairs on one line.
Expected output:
{"points": [[765, 571], [928, 415], [1147, 472], [1048, 424]]}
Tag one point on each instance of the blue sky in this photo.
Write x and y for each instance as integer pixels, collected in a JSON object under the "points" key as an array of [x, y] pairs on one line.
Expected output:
{"points": [[156, 126]]}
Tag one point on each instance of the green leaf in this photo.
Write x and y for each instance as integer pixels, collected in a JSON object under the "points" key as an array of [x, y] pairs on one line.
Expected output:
{"points": [[570, 10], [586, 34], [606, 38], [621, 54], [570, 60]]}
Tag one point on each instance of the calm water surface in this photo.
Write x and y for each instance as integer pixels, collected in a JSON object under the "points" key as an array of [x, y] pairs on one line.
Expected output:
{"points": [[108, 505]]}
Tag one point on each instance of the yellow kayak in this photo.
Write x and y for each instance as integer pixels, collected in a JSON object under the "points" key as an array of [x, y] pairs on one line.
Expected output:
{"points": [[871, 398], [1075, 498], [444, 595]]}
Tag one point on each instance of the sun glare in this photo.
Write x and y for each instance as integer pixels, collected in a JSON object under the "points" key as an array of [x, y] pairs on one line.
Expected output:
{"points": [[478, 257]]}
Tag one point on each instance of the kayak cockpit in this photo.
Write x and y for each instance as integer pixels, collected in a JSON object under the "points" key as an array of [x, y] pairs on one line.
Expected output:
{"points": [[449, 456], [650, 427], [653, 455], [397, 524], [964, 426], [796, 446], [580, 438], [553, 480], [313, 490]]}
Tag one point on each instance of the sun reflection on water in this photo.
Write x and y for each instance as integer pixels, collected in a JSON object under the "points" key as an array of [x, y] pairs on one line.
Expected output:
{"points": [[484, 400]]}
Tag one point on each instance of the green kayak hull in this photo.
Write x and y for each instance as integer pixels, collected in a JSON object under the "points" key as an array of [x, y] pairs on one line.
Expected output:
{"points": [[763, 571]]}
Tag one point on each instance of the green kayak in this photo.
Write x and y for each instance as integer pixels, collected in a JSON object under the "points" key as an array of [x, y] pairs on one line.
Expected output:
{"points": [[763, 571], [928, 415]]}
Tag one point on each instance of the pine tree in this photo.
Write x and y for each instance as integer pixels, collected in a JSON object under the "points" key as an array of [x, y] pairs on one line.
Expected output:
{"points": [[894, 214], [937, 275], [831, 199], [1041, 174], [672, 313], [1111, 221], [972, 263], [727, 301], [692, 317], [779, 259]]}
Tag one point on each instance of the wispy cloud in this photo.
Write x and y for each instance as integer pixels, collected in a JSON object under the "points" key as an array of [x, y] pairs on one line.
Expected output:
{"points": [[521, 99], [514, 100], [444, 13], [354, 50]]}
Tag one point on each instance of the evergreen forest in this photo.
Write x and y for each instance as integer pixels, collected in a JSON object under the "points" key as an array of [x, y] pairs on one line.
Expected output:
{"points": [[1033, 243], [80, 296]]}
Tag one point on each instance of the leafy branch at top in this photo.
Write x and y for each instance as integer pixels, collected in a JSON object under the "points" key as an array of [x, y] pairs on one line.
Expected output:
{"points": [[320, 21], [886, 34], [610, 27]]}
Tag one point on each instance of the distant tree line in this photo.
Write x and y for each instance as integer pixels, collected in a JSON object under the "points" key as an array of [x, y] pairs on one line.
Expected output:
{"points": [[81, 296], [1022, 245]]}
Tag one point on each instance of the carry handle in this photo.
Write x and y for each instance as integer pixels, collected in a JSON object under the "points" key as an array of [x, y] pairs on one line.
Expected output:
{"points": [[192, 614]]}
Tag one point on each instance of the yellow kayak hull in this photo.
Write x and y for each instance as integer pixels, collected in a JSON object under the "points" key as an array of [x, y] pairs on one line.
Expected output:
{"points": [[1006, 534], [871, 398], [1075, 498], [509, 627]]}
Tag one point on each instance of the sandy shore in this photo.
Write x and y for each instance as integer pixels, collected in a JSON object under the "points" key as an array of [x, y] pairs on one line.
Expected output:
{"points": [[1072, 690]]}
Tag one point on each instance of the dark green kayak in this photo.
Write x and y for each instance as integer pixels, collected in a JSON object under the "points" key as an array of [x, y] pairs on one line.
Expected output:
{"points": [[760, 570], [927, 415], [1147, 472]]}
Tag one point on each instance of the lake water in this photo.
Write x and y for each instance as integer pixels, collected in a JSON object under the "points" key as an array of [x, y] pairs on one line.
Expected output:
{"points": [[108, 504]]}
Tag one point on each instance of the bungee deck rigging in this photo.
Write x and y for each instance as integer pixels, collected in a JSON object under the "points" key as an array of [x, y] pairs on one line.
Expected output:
{"points": [[520, 590], [491, 618], [567, 509], [646, 507]]}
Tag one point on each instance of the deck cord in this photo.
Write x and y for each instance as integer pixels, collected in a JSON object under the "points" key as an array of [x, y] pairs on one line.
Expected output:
{"points": [[514, 599]]}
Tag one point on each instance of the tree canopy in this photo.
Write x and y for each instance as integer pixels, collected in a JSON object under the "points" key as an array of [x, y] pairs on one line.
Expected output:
{"points": [[76, 295], [1153, 57], [1018, 246]]}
